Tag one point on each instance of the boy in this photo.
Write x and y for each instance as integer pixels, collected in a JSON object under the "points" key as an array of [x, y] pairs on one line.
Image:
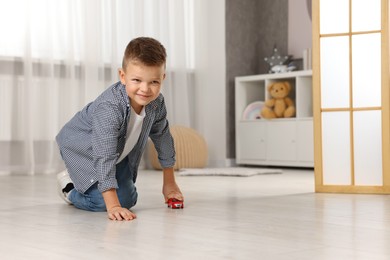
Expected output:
{"points": [[103, 143]]}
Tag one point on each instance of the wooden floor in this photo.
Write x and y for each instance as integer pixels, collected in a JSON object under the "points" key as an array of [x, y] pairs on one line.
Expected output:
{"points": [[260, 217]]}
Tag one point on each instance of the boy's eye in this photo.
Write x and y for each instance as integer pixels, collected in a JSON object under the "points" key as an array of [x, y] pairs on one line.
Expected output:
{"points": [[136, 80], [155, 82]]}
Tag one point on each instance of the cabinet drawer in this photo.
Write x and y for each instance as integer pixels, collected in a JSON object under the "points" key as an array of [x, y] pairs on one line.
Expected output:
{"points": [[306, 141], [281, 141], [251, 141]]}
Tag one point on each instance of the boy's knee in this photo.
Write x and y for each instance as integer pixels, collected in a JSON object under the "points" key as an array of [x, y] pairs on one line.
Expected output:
{"points": [[87, 202], [130, 200], [97, 205]]}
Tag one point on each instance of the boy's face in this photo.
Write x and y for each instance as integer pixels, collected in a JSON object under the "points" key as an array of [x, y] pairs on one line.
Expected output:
{"points": [[143, 83]]}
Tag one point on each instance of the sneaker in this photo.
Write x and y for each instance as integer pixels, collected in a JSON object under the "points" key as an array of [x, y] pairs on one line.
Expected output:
{"points": [[63, 180]]}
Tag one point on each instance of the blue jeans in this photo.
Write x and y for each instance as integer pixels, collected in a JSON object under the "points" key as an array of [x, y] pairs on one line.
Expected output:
{"points": [[92, 199]]}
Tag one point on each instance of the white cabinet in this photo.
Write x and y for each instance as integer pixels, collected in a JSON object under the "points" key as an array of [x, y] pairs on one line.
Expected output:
{"points": [[282, 141]]}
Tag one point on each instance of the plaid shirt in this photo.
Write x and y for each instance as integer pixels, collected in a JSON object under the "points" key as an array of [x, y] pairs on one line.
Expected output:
{"points": [[92, 141]]}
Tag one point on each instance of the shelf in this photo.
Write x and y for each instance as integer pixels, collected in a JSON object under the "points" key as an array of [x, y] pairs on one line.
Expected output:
{"points": [[279, 141], [278, 76]]}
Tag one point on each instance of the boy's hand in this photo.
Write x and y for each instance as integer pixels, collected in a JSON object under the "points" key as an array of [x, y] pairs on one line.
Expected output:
{"points": [[114, 209], [119, 213], [172, 191]]}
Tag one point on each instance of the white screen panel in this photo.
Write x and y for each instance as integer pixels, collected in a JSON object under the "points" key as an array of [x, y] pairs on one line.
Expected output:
{"points": [[366, 70], [336, 148], [334, 72], [366, 15], [367, 147], [334, 16]]}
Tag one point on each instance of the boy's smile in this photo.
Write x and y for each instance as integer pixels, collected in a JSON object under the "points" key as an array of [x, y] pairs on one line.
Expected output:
{"points": [[143, 83]]}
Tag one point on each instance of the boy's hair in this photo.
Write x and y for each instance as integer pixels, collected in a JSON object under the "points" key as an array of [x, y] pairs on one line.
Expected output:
{"points": [[146, 50]]}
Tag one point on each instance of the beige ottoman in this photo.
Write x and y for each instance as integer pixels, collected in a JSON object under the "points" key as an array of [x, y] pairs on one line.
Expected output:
{"points": [[190, 146]]}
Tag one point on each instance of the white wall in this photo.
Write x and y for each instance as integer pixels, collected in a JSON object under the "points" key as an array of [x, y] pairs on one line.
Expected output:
{"points": [[210, 79], [299, 28]]}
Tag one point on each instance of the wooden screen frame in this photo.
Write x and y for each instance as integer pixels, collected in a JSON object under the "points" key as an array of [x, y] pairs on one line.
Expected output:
{"points": [[385, 107]]}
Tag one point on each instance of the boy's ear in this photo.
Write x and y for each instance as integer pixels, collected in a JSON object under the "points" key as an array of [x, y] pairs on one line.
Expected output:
{"points": [[164, 76], [121, 73]]}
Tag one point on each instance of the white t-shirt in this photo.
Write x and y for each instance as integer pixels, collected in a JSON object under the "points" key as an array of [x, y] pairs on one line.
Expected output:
{"points": [[134, 128]]}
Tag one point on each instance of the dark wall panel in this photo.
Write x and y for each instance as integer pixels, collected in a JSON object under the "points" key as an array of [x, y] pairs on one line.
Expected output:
{"points": [[253, 27]]}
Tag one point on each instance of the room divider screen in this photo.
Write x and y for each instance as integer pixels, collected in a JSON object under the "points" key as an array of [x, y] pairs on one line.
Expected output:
{"points": [[351, 96]]}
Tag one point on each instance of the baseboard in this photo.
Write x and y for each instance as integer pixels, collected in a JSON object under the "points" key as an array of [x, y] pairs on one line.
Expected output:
{"points": [[222, 163]]}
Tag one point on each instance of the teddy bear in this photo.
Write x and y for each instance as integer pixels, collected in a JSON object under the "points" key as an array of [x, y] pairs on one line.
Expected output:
{"points": [[279, 105]]}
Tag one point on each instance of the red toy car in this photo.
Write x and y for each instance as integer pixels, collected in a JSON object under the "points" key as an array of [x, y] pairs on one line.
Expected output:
{"points": [[175, 204]]}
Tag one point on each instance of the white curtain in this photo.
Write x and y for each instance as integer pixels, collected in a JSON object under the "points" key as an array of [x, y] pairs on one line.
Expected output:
{"points": [[58, 55]]}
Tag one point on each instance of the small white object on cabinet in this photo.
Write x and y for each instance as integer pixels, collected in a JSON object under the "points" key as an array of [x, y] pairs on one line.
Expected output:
{"points": [[275, 142]]}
